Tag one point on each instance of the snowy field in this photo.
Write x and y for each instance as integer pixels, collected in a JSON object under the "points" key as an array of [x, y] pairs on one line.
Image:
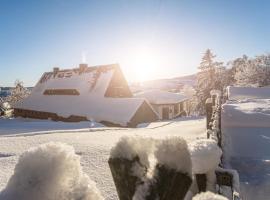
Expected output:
{"points": [[246, 131], [91, 141]]}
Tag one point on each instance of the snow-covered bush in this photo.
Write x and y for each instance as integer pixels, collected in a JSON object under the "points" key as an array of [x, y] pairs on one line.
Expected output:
{"points": [[18, 93], [209, 196], [48, 172]]}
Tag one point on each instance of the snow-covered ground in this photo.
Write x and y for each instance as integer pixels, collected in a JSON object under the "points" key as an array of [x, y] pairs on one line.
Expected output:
{"points": [[246, 141], [91, 141]]}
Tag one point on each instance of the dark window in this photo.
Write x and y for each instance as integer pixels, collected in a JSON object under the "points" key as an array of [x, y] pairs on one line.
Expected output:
{"points": [[61, 92]]}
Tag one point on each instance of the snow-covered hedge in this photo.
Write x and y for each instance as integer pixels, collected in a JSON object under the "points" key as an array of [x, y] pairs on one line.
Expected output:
{"points": [[48, 172]]}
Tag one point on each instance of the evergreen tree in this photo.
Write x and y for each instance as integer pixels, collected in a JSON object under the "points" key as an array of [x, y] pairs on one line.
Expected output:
{"points": [[208, 78]]}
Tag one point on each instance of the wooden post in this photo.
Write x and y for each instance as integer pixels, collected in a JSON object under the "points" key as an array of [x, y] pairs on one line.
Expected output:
{"points": [[209, 111], [124, 179], [214, 97], [201, 182], [169, 184]]}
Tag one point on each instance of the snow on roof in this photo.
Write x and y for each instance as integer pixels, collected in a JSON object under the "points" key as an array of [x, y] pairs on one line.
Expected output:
{"points": [[238, 93], [162, 97], [91, 87], [205, 155]]}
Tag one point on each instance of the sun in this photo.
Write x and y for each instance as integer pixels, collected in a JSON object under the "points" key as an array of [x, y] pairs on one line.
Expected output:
{"points": [[143, 63]]}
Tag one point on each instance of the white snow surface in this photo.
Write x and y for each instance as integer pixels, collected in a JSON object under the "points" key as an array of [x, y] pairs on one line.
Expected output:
{"points": [[205, 155], [209, 196], [92, 144], [246, 113], [162, 97], [238, 93], [48, 172], [173, 153], [246, 135]]}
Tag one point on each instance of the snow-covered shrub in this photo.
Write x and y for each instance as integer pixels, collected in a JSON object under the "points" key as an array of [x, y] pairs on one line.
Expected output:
{"points": [[209, 196], [48, 172], [18, 93], [205, 155], [173, 153]]}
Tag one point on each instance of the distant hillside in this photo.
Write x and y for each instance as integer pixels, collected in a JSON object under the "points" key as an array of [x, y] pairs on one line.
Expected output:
{"points": [[174, 84]]}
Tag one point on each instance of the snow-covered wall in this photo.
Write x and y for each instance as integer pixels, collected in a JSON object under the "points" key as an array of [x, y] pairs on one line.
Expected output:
{"points": [[238, 93]]}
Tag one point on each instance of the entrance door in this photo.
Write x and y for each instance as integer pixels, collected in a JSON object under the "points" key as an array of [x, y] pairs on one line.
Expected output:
{"points": [[165, 113]]}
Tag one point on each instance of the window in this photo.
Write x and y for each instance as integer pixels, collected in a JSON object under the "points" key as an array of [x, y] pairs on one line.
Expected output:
{"points": [[61, 92]]}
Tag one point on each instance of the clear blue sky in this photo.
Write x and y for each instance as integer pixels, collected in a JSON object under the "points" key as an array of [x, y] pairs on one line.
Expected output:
{"points": [[37, 35]]}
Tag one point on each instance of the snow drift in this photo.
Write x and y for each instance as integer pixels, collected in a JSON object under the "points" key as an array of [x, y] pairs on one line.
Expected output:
{"points": [[48, 172], [209, 196]]}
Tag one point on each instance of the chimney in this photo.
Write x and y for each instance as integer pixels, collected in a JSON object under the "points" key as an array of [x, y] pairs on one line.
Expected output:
{"points": [[55, 70], [82, 67]]}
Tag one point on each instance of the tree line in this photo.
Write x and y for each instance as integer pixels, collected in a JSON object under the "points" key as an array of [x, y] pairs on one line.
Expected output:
{"points": [[243, 71]]}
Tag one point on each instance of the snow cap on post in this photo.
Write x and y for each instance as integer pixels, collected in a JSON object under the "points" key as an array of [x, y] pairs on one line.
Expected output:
{"points": [[173, 153], [208, 196], [130, 147], [205, 155]]}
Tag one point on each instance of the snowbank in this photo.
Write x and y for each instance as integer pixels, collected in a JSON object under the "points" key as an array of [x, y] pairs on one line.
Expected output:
{"points": [[48, 172], [130, 147], [205, 155], [246, 113], [238, 93], [173, 152], [209, 196]]}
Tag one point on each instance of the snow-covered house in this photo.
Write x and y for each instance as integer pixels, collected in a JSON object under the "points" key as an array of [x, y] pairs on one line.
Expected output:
{"points": [[168, 105], [98, 93]]}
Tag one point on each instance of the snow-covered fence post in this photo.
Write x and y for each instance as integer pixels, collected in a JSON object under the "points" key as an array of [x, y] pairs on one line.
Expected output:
{"points": [[201, 180], [128, 164], [124, 180], [172, 176], [205, 156], [209, 112]]}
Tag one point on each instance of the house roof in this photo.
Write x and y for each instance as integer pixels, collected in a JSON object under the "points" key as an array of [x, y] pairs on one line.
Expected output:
{"points": [[82, 93], [162, 97]]}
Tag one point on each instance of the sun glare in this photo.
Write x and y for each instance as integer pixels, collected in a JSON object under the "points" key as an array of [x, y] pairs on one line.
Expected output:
{"points": [[144, 63]]}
